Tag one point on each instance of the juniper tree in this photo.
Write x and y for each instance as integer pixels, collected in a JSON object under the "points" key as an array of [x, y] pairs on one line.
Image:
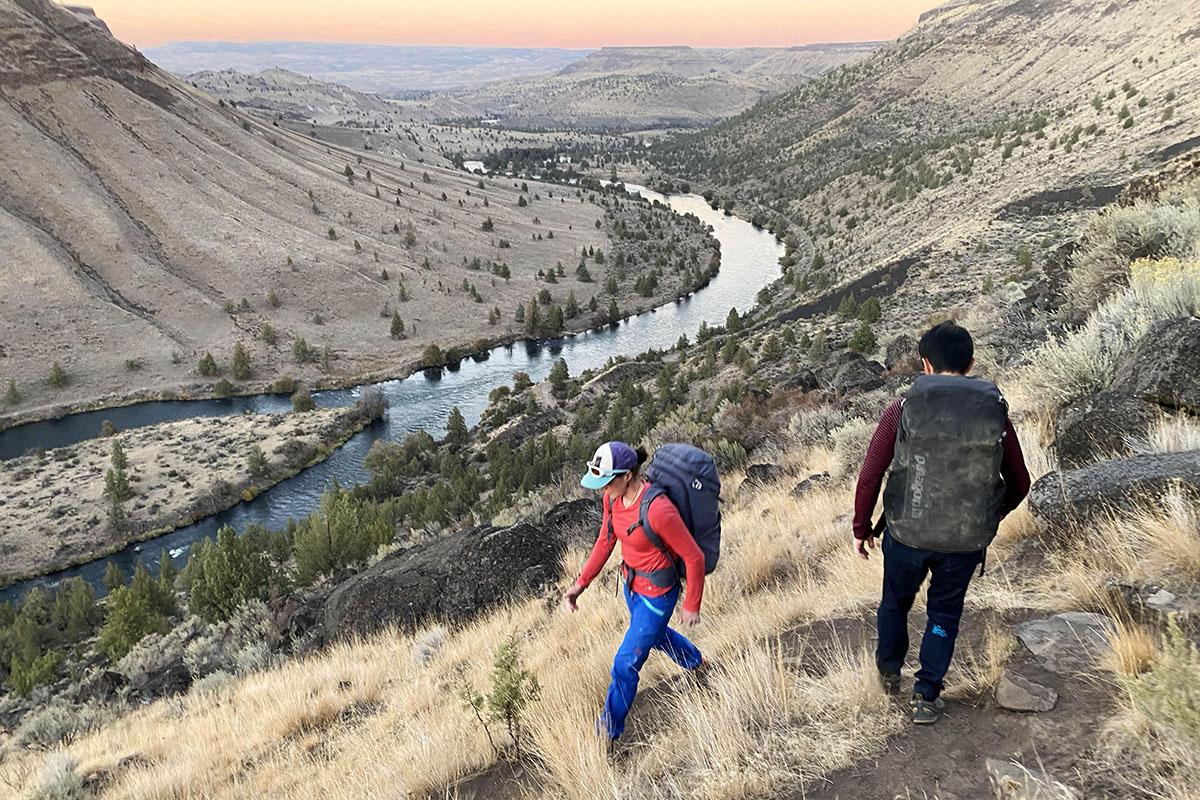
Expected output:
{"points": [[397, 325], [772, 349], [870, 311], [819, 348], [240, 366], [268, 333], [848, 307], [58, 376], [256, 461], [863, 340], [300, 350], [225, 575], [456, 429], [12, 396], [302, 401], [559, 374], [167, 572], [207, 366], [114, 578]]}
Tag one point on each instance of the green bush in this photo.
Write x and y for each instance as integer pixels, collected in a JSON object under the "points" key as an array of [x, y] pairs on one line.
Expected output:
{"points": [[513, 688], [134, 611], [12, 396], [863, 340], [240, 366], [432, 356], [302, 401], [346, 529], [207, 366], [57, 377], [225, 575]]}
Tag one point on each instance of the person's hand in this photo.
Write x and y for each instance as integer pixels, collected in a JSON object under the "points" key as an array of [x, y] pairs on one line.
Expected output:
{"points": [[689, 618], [861, 546], [571, 595]]}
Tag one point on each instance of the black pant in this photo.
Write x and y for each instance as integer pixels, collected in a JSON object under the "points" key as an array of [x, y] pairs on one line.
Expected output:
{"points": [[904, 569]]}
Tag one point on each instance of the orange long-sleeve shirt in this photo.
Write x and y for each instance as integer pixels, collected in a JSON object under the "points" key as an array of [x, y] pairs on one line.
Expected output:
{"points": [[638, 552]]}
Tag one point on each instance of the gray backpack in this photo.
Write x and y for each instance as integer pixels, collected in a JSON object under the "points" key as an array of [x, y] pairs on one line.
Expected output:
{"points": [[945, 491]]}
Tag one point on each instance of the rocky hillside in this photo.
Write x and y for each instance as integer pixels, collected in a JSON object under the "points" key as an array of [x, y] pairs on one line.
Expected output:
{"points": [[293, 97], [148, 224], [383, 69], [406, 128], [990, 124], [633, 88]]}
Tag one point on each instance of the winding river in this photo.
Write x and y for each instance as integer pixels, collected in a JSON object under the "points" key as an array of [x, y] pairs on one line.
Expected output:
{"points": [[749, 261]]}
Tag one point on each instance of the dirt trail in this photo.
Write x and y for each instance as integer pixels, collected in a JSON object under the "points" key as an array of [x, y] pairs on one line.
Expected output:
{"points": [[940, 762]]}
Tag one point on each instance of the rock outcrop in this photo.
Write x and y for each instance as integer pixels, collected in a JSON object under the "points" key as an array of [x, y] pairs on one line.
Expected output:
{"points": [[1095, 427], [454, 577], [1083, 496], [1067, 643], [1164, 366]]}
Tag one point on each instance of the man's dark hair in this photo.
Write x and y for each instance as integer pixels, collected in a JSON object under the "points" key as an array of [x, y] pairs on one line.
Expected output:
{"points": [[948, 348]]}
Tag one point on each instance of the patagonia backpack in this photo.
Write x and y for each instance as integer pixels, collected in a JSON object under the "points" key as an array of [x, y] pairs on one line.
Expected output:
{"points": [[688, 477], [945, 491]]}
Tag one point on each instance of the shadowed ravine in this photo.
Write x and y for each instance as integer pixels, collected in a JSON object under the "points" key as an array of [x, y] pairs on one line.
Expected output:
{"points": [[749, 261]]}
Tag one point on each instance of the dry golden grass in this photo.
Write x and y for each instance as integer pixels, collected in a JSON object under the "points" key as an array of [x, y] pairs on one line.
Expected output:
{"points": [[1158, 542], [383, 712]]}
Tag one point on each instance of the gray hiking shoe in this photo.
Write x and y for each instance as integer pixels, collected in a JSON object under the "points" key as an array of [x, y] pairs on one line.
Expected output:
{"points": [[926, 712], [890, 682]]}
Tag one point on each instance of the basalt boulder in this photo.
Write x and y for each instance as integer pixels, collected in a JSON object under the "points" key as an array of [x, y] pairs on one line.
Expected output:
{"points": [[1164, 366], [850, 373], [1095, 427], [1081, 497], [455, 577]]}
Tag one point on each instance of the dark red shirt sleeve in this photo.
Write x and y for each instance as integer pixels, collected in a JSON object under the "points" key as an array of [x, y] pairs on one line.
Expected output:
{"points": [[665, 520], [1013, 470], [600, 552], [874, 468]]}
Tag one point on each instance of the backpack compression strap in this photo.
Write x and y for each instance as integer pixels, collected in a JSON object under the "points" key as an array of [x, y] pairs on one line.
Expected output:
{"points": [[664, 577]]}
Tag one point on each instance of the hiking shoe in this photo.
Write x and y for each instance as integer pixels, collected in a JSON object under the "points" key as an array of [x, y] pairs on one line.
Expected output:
{"points": [[926, 712], [891, 683]]}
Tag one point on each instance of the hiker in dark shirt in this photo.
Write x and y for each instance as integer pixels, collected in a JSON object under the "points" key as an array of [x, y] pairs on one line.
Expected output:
{"points": [[956, 470]]}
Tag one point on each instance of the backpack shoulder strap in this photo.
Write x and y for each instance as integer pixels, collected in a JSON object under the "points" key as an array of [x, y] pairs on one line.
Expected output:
{"points": [[611, 533], [649, 496]]}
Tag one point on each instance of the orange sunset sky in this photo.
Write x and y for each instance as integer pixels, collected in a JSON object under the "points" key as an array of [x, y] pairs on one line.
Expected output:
{"points": [[513, 23]]}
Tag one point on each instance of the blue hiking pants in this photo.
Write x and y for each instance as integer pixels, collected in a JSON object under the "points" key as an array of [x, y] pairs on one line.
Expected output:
{"points": [[904, 569], [648, 618]]}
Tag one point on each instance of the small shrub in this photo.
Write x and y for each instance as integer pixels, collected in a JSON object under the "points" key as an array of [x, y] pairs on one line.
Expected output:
{"points": [[60, 781], [240, 366], [302, 401], [1118, 236], [57, 377], [213, 684], [256, 461], [513, 688], [207, 366], [863, 340], [223, 388]]}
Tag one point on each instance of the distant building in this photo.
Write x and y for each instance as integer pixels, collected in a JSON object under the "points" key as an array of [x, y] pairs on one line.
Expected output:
{"points": [[564, 158]]}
